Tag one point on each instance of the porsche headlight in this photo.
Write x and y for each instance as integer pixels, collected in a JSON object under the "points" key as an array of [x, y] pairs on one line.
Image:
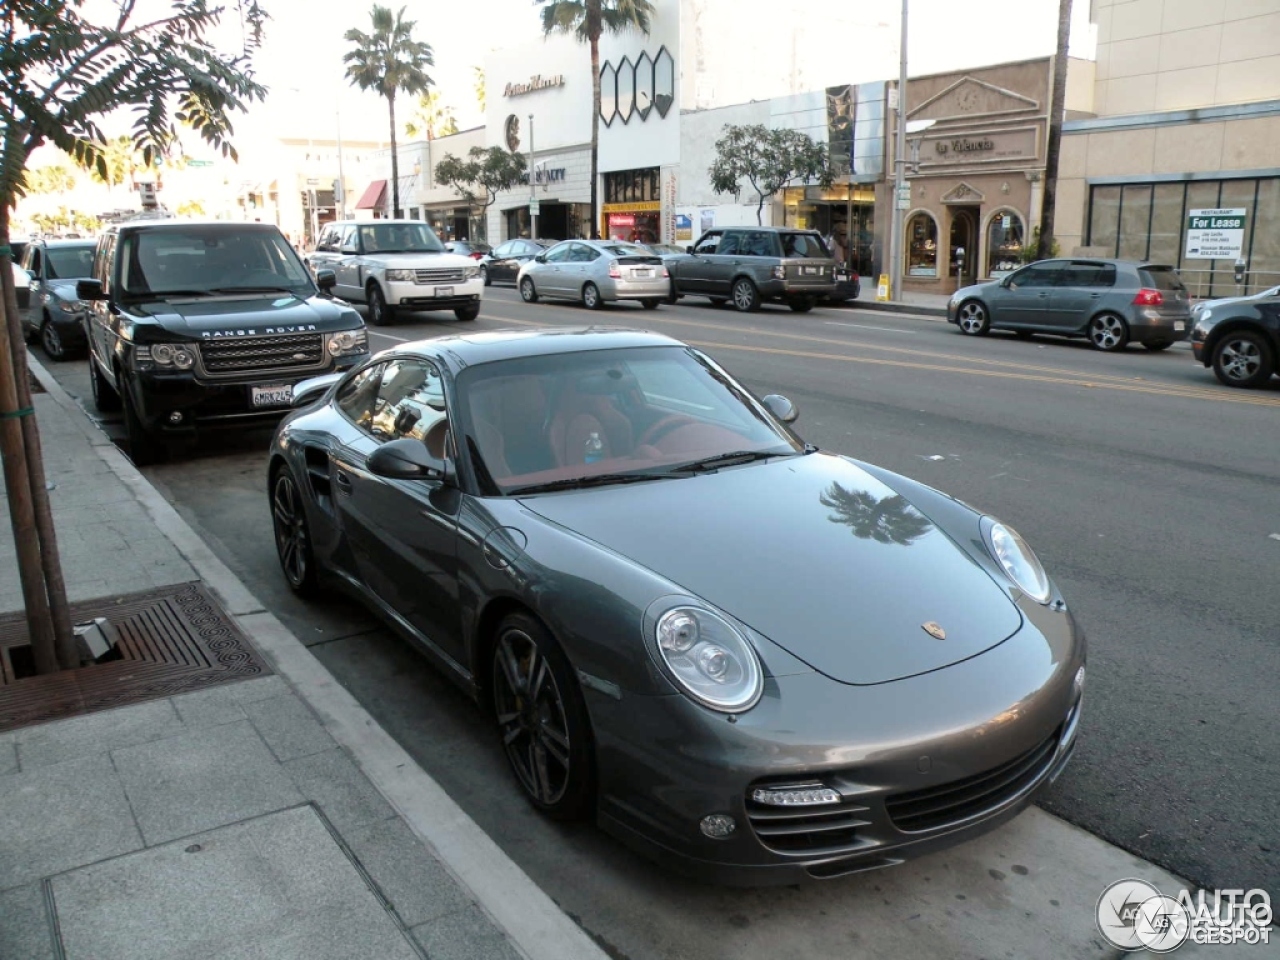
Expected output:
{"points": [[402, 276], [710, 658], [1018, 561]]}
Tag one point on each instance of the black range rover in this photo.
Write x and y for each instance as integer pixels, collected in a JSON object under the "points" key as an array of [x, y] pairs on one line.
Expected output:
{"points": [[196, 324]]}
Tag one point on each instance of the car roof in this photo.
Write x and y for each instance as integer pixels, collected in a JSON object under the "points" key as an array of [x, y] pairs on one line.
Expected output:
{"points": [[62, 242], [771, 229], [135, 226], [471, 349]]}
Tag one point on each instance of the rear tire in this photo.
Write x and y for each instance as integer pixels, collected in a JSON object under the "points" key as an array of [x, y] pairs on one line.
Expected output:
{"points": [[380, 312], [800, 306], [1155, 346], [1243, 358], [467, 313], [105, 397], [746, 298], [1108, 333], [650, 304]]}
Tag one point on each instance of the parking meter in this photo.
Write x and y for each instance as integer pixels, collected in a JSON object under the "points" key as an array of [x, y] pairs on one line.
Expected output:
{"points": [[1240, 265]]}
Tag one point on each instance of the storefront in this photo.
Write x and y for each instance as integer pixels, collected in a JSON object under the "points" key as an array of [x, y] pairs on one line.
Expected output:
{"points": [[976, 158], [632, 208], [844, 213]]}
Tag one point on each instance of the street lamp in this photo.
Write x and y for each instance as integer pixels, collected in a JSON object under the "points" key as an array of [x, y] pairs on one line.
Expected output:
{"points": [[901, 198], [533, 188]]}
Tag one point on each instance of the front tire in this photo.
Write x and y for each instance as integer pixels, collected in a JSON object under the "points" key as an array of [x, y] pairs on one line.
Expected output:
{"points": [[484, 274], [746, 298], [591, 298], [105, 397], [528, 293], [380, 312], [973, 319], [542, 719], [1243, 358], [144, 446], [54, 348], [292, 534], [1108, 333], [467, 313]]}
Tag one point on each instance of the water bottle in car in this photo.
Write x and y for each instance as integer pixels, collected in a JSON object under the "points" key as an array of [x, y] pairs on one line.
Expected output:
{"points": [[594, 449]]}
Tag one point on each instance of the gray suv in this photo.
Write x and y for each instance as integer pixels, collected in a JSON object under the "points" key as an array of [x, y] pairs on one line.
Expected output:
{"points": [[1112, 302], [748, 265]]}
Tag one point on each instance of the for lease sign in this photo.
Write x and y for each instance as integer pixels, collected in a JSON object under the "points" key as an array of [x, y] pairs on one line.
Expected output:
{"points": [[1215, 234]]}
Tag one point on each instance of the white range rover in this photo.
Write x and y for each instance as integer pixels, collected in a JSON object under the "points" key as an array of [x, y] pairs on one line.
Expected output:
{"points": [[395, 265]]}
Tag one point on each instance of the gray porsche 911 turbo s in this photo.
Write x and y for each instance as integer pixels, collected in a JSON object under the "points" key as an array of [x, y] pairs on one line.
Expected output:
{"points": [[751, 660]]}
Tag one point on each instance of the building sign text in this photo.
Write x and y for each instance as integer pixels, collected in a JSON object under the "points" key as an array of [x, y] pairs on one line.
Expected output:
{"points": [[1216, 234], [1013, 146], [536, 82]]}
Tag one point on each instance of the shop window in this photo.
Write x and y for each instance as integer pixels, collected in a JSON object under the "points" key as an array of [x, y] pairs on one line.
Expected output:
{"points": [[644, 85], [626, 89], [1006, 234], [1135, 217], [1104, 219], [1166, 223], [608, 93], [664, 82], [922, 245]]}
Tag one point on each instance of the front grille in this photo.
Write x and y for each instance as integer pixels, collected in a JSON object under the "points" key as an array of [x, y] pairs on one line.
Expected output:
{"points": [[439, 275], [959, 800], [300, 351], [814, 830]]}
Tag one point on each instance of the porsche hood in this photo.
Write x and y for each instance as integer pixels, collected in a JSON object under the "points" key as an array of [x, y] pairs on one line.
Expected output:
{"points": [[811, 551]]}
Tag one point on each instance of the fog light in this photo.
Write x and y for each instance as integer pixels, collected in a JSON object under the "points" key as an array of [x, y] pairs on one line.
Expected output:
{"points": [[175, 417], [795, 795], [717, 826]]}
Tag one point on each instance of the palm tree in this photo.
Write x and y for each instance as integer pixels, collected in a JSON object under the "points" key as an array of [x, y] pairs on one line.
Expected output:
{"points": [[589, 19], [389, 61], [431, 118], [884, 520], [119, 158]]}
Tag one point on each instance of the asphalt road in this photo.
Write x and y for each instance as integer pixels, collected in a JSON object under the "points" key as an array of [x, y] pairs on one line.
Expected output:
{"points": [[1148, 490]]}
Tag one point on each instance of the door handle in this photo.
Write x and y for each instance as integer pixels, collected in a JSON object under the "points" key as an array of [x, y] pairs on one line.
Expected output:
{"points": [[343, 481], [1044, 296]]}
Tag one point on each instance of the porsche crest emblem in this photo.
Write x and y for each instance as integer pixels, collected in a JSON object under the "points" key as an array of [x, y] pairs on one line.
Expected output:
{"points": [[934, 630]]}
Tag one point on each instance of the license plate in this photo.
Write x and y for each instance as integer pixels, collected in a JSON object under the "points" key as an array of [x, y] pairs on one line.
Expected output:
{"points": [[444, 291], [810, 271], [272, 395], [642, 274], [1179, 325]]}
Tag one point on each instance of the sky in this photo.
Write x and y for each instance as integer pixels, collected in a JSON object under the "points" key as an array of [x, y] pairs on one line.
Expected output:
{"points": [[301, 60]]}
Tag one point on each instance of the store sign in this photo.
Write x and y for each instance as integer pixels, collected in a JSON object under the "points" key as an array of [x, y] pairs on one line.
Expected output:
{"points": [[1008, 145], [1216, 234], [684, 226], [670, 221], [536, 82], [545, 175]]}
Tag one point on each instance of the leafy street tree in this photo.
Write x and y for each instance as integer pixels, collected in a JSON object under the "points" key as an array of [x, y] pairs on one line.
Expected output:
{"points": [[66, 219], [115, 161], [63, 66], [54, 178], [478, 74], [389, 61], [588, 20], [431, 118], [481, 178], [767, 159]]}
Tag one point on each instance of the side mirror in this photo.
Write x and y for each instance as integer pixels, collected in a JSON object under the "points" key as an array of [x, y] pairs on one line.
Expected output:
{"points": [[31, 275], [782, 408], [311, 390], [326, 280], [90, 290], [540, 258], [688, 249], [406, 459], [1006, 282]]}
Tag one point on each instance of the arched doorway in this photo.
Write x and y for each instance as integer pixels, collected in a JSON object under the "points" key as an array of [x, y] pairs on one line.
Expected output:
{"points": [[963, 245]]}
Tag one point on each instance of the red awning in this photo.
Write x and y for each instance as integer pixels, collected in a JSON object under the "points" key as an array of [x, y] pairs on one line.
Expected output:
{"points": [[371, 199]]}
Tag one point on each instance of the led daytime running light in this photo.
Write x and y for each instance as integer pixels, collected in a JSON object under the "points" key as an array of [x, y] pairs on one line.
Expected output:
{"points": [[795, 796]]}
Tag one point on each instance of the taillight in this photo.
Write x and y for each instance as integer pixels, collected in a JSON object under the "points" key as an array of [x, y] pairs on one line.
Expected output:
{"points": [[1148, 298], [476, 255], [614, 272], [666, 272]]}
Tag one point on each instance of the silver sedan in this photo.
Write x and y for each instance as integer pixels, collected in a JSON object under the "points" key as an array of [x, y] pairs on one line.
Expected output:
{"points": [[596, 272]]}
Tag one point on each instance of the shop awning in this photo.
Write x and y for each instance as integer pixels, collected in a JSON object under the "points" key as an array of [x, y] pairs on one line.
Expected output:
{"points": [[372, 198]]}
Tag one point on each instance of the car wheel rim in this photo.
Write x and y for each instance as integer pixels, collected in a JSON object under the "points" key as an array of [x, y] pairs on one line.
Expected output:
{"points": [[1106, 332], [590, 297], [1241, 359], [526, 290], [52, 342], [375, 308], [531, 717], [291, 530], [971, 318], [742, 296]]}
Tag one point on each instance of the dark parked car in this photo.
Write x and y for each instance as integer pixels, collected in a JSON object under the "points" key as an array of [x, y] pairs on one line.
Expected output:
{"points": [[749, 265], [475, 249], [1240, 339], [1112, 302], [503, 263], [200, 324], [56, 314], [750, 659]]}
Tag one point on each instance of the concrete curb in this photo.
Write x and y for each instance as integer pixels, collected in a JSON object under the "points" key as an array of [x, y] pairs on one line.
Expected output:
{"points": [[918, 310], [536, 926]]}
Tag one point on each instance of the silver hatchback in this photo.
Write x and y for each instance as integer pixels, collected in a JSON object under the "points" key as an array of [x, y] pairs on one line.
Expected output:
{"points": [[1111, 302], [596, 272]]}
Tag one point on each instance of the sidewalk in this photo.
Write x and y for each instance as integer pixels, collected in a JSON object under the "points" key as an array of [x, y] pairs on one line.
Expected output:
{"points": [[919, 304], [268, 817]]}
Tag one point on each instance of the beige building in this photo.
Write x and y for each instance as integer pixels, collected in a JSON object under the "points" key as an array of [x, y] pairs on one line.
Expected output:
{"points": [[1178, 158]]}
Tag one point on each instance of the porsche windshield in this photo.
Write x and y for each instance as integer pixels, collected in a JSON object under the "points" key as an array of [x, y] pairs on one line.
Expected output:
{"points": [[543, 422], [194, 260]]}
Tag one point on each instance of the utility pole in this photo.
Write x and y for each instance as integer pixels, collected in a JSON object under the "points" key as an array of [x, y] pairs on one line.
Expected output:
{"points": [[901, 199], [533, 188], [1057, 107], [341, 198]]}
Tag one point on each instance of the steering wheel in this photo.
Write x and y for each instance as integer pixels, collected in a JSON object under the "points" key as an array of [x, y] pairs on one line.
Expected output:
{"points": [[662, 427]]}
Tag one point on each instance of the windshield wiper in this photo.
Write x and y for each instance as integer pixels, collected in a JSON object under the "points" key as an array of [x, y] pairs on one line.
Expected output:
{"points": [[251, 290], [164, 294], [608, 479], [731, 459]]}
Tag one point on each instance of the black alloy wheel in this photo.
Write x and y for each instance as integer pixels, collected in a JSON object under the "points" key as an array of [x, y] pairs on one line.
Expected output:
{"points": [[528, 293], [105, 397], [293, 537], [973, 319], [1243, 358], [542, 719], [467, 313], [380, 313], [746, 298], [52, 341]]}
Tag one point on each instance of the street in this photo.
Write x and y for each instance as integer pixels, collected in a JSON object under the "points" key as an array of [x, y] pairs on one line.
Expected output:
{"points": [[1148, 490]]}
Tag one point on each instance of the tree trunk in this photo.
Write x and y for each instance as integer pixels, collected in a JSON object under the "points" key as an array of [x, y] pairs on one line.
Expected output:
{"points": [[395, 161], [1053, 147], [17, 475], [595, 127]]}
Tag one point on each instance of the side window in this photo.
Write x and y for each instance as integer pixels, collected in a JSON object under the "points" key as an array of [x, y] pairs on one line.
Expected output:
{"points": [[1036, 276], [328, 240], [560, 253], [708, 244], [33, 256], [356, 397], [1106, 276], [1087, 275], [758, 243], [587, 254], [501, 250], [410, 400], [104, 265], [730, 244], [347, 240]]}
